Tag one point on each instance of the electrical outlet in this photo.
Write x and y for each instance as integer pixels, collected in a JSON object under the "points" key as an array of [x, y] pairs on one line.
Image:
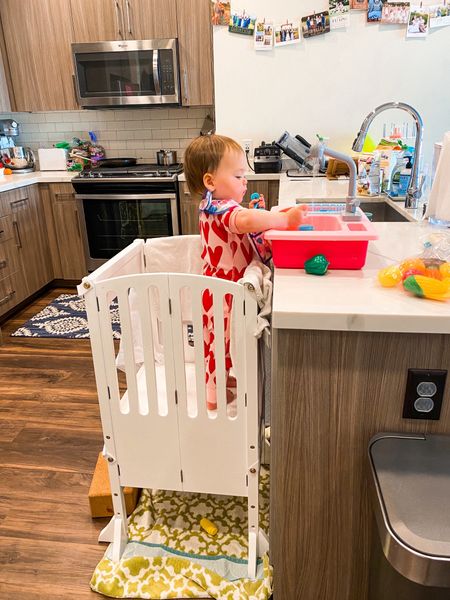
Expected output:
{"points": [[248, 146], [424, 394]]}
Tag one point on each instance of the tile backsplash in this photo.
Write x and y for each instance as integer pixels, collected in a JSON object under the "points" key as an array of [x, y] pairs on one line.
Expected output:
{"points": [[125, 132]]}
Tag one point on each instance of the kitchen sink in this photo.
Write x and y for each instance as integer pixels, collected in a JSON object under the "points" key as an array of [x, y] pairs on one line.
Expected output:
{"points": [[381, 211]]}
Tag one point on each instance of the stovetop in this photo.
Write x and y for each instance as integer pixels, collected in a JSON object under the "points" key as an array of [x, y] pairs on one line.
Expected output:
{"points": [[140, 171]]}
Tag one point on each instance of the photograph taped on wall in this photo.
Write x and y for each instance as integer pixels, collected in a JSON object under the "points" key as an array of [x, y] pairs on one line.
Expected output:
{"points": [[263, 35], [439, 15], [220, 13], [359, 4], [339, 14], [241, 22], [395, 13], [287, 33], [418, 21], [374, 10], [316, 24]]}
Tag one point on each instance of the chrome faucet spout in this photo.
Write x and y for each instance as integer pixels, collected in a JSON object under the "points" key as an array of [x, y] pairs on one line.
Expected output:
{"points": [[318, 152], [414, 190]]}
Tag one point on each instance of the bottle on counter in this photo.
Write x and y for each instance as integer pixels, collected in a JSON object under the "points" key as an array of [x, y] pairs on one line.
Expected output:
{"points": [[405, 176]]}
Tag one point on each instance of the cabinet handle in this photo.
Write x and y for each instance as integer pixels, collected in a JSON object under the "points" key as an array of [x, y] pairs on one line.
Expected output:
{"points": [[2, 231], [78, 223], [14, 202], [127, 5], [8, 297], [19, 241], [3, 263], [60, 197], [186, 91], [119, 19]]}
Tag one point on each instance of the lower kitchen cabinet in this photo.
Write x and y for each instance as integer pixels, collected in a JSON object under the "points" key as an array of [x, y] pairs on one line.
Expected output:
{"points": [[189, 203], [25, 265], [68, 231]]}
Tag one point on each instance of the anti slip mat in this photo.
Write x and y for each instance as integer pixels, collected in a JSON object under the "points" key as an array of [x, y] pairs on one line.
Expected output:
{"points": [[65, 317]]}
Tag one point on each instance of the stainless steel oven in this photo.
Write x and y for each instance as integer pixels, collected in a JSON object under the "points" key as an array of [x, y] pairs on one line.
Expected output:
{"points": [[117, 206], [127, 72]]}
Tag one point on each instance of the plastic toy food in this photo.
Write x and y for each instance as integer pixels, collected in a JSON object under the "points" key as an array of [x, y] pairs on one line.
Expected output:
{"points": [[208, 526], [423, 277], [317, 265], [427, 287], [390, 276]]}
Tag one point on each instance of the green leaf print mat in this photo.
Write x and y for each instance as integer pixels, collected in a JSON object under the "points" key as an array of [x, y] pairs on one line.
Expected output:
{"points": [[169, 555]]}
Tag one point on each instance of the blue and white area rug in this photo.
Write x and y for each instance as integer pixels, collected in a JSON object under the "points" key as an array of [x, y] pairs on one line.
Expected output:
{"points": [[65, 317]]}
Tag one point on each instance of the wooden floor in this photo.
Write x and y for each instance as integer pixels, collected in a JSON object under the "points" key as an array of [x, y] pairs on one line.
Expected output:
{"points": [[50, 436]]}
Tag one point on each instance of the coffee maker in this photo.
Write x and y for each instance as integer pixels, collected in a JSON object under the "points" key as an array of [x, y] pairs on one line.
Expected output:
{"points": [[19, 159]]}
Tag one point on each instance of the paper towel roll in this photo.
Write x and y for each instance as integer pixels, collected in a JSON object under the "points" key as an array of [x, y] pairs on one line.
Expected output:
{"points": [[439, 201]]}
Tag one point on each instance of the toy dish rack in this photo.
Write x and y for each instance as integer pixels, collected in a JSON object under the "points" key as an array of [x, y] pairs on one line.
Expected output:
{"points": [[343, 243]]}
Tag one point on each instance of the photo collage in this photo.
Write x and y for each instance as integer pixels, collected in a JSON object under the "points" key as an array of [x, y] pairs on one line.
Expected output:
{"points": [[268, 34]]}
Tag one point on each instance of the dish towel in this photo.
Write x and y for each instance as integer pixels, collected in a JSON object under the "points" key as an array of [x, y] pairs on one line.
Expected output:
{"points": [[439, 202], [258, 279]]}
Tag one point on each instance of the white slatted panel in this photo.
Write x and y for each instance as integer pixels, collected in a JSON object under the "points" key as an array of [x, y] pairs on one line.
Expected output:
{"points": [[213, 451], [219, 353], [146, 444]]}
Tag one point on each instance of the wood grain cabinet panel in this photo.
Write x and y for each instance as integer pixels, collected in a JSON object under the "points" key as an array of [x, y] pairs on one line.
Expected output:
{"points": [[97, 21], [38, 35], [5, 104], [31, 237], [68, 231], [189, 204], [196, 53], [148, 19]]}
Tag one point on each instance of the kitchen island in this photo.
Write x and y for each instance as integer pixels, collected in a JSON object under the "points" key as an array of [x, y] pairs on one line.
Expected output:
{"points": [[342, 346]]}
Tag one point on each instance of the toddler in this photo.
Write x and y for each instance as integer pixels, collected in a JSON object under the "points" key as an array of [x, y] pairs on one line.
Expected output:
{"points": [[215, 167]]}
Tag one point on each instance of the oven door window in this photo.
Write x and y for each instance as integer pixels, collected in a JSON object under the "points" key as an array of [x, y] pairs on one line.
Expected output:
{"points": [[111, 225], [126, 73]]}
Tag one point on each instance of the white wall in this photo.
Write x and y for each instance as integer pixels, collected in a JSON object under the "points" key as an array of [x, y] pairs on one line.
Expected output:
{"points": [[329, 83]]}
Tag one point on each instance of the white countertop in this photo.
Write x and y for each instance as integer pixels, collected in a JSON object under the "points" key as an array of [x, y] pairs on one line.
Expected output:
{"points": [[354, 300], [11, 182]]}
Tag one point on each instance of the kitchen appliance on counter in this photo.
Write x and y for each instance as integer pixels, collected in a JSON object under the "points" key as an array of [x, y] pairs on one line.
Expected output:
{"points": [[126, 73], [121, 204], [267, 158], [298, 149], [20, 159]]}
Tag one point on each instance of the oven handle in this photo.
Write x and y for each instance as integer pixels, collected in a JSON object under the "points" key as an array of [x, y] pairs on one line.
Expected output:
{"points": [[125, 196]]}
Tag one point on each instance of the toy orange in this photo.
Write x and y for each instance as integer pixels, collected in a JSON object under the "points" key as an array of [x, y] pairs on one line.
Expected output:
{"points": [[416, 264]]}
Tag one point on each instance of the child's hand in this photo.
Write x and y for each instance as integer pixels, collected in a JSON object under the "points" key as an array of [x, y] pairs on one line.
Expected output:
{"points": [[296, 216], [259, 201]]}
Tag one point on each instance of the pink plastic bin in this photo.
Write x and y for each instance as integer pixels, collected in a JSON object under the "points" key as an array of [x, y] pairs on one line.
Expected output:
{"points": [[344, 243]]}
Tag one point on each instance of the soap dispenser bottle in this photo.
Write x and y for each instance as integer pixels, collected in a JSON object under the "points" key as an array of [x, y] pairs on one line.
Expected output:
{"points": [[405, 176], [395, 179]]}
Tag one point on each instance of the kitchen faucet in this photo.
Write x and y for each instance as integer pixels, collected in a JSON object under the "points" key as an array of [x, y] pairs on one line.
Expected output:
{"points": [[316, 159], [414, 191]]}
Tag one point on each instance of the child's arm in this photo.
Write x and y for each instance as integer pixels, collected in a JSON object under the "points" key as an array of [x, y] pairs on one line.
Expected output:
{"points": [[252, 221]]}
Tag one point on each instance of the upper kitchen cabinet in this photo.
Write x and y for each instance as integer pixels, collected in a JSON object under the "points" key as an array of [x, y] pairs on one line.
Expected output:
{"points": [[5, 104], [104, 20], [38, 36], [196, 59]]}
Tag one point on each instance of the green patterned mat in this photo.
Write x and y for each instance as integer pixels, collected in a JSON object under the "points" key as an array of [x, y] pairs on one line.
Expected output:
{"points": [[170, 556]]}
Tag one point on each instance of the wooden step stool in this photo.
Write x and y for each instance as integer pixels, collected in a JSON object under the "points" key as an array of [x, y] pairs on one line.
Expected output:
{"points": [[100, 499]]}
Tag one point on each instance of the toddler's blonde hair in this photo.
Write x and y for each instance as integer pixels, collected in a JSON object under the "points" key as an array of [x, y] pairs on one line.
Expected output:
{"points": [[203, 155]]}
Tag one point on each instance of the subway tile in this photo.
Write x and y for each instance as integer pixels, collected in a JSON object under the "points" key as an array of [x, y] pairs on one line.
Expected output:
{"points": [[47, 127], [163, 133], [193, 133], [107, 135], [143, 134], [198, 113], [54, 116], [178, 113], [135, 144], [187, 123], [154, 144], [178, 133], [133, 125], [159, 113], [168, 124]]}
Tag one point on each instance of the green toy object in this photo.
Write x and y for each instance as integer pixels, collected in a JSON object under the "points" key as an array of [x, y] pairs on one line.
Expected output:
{"points": [[317, 265]]}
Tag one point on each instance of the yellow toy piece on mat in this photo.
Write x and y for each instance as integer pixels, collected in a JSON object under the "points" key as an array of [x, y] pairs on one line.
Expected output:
{"points": [[208, 526]]}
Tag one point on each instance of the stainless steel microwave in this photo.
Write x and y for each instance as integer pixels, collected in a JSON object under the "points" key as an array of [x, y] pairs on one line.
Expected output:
{"points": [[127, 73]]}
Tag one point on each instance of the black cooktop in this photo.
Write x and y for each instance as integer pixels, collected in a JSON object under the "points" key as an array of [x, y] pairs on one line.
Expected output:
{"points": [[150, 170]]}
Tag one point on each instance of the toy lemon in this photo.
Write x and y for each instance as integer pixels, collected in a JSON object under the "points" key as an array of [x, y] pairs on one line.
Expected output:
{"points": [[390, 276], [444, 270], [427, 287]]}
